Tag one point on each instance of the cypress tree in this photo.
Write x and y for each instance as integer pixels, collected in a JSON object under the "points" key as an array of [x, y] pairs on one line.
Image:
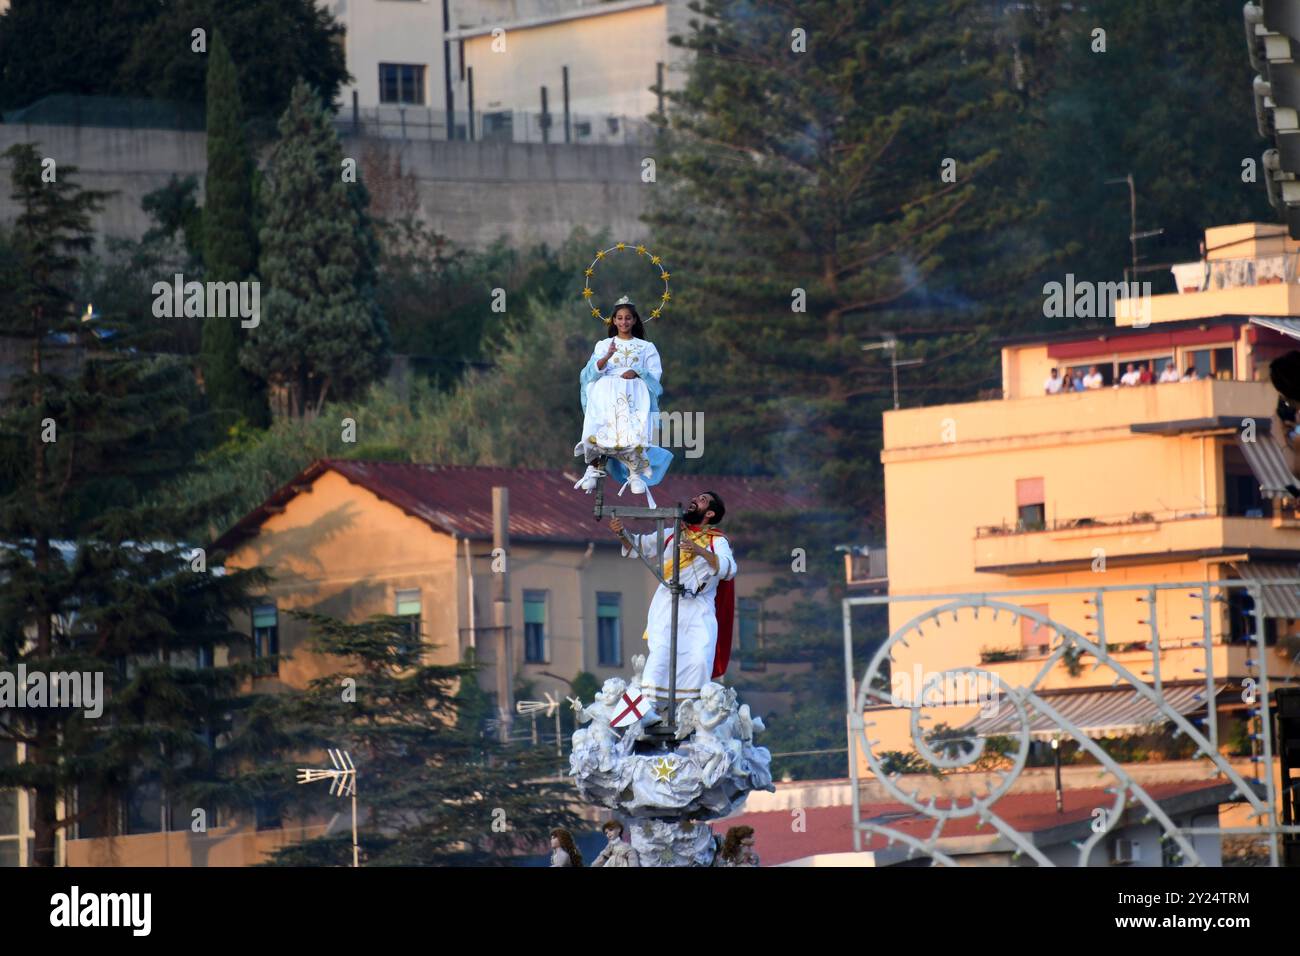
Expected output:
{"points": [[229, 240], [322, 334]]}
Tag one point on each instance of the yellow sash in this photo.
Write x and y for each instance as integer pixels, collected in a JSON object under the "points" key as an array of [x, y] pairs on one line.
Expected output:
{"points": [[701, 538]]}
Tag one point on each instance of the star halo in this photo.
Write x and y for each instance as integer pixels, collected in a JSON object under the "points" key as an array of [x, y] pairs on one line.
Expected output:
{"points": [[640, 250]]}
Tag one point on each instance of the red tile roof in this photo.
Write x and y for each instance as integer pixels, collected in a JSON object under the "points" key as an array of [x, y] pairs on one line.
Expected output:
{"points": [[543, 504], [830, 829]]}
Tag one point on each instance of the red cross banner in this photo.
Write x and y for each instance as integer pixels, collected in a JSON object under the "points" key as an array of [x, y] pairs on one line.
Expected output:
{"points": [[630, 714]]}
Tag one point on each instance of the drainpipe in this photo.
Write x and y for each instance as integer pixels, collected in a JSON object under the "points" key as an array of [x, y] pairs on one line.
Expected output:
{"points": [[469, 585], [501, 611]]}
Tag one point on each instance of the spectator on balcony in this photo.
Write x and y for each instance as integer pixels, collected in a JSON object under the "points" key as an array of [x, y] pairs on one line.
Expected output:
{"points": [[1093, 378], [1131, 375], [1076, 380], [1170, 374], [1054, 383], [1190, 374], [1146, 374]]}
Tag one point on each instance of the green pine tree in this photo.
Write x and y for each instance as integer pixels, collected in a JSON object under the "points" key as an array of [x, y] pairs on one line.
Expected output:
{"points": [[229, 241], [321, 334], [814, 173], [434, 788], [92, 577]]}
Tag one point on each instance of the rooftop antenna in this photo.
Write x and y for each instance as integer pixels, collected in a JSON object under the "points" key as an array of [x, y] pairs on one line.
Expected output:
{"points": [[891, 345], [1133, 234]]}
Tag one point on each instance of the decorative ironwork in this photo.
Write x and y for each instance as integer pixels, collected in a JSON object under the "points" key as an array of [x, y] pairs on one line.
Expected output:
{"points": [[957, 751]]}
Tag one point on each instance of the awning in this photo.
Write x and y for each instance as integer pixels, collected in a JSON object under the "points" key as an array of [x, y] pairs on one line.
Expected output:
{"points": [[1271, 466], [1289, 327], [1101, 713], [1279, 600]]}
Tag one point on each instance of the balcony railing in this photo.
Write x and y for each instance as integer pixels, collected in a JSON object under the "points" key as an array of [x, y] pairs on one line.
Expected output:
{"points": [[1117, 520]]}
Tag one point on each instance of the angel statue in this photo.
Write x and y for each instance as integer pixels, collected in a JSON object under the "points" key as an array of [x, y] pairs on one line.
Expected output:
{"points": [[599, 736], [620, 400]]}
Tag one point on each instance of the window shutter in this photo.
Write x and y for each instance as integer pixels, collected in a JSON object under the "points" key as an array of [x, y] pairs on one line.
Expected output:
{"points": [[1029, 491]]}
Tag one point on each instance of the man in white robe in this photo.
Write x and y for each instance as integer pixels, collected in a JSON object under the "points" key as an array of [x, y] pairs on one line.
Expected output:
{"points": [[706, 560]]}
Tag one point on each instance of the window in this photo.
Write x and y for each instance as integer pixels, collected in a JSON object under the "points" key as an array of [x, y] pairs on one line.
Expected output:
{"points": [[266, 631], [749, 631], [1210, 363], [266, 815], [499, 125], [535, 627], [409, 607], [609, 628], [144, 806], [401, 83], [1241, 619], [1241, 488], [1035, 637], [1031, 510]]}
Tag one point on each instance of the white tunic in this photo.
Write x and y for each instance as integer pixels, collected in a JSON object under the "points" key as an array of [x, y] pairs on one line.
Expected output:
{"points": [[697, 621], [618, 417]]}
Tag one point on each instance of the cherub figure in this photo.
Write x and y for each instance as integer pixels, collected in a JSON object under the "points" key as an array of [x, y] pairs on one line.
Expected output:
{"points": [[708, 716], [600, 712]]}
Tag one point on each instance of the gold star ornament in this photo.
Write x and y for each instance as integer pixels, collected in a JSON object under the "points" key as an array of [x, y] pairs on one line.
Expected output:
{"points": [[588, 293], [663, 769]]}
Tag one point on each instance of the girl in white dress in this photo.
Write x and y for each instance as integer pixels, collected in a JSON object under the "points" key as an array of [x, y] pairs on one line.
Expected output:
{"points": [[620, 398]]}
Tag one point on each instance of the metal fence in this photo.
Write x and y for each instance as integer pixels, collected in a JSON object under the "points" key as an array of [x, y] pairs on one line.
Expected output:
{"points": [[1186, 616], [109, 111], [494, 126]]}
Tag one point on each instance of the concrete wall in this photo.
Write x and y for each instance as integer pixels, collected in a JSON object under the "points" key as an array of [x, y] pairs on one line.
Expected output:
{"points": [[472, 192]]}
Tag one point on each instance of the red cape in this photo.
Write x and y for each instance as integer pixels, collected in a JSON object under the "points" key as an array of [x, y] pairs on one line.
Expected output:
{"points": [[724, 604]]}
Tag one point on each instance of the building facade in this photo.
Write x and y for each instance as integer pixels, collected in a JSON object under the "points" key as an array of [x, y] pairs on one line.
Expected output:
{"points": [[557, 71], [1187, 480]]}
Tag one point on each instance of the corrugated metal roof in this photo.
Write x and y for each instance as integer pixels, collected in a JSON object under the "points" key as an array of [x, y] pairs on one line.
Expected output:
{"points": [[543, 504], [1271, 466], [1101, 713], [1279, 600]]}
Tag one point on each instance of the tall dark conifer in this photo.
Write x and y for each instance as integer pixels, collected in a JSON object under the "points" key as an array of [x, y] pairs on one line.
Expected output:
{"points": [[92, 578], [434, 788], [229, 240]]}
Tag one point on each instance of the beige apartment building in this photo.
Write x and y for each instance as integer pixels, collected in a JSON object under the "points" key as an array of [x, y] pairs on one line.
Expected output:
{"points": [[1147, 483], [497, 65]]}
